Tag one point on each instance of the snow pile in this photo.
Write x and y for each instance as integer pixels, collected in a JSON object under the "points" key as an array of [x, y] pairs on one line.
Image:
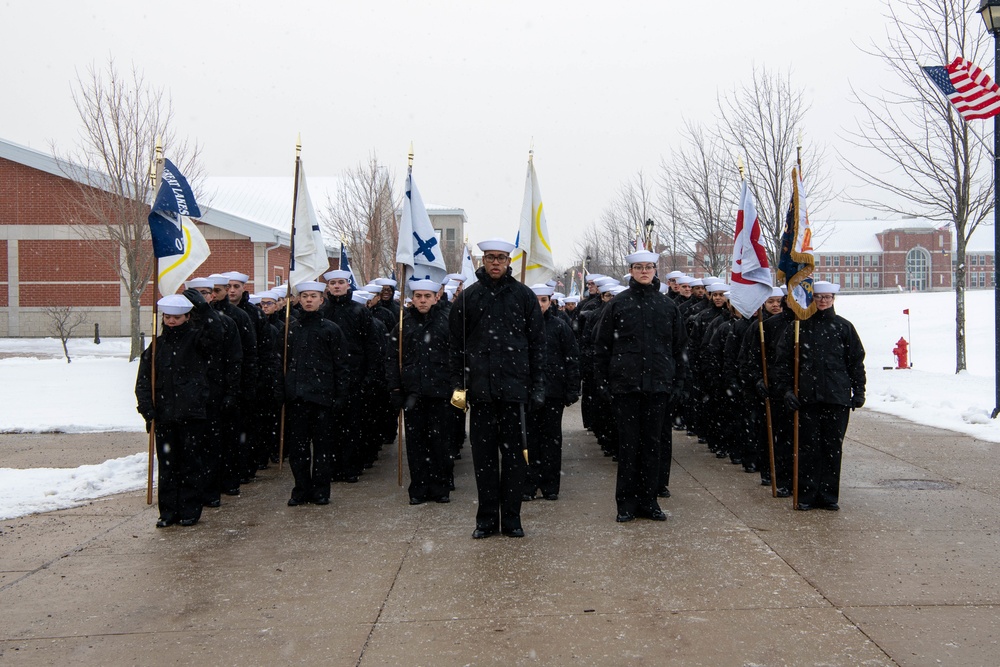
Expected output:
{"points": [[47, 489], [49, 395]]}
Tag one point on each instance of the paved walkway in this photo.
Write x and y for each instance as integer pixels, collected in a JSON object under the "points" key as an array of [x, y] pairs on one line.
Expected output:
{"points": [[905, 574]]}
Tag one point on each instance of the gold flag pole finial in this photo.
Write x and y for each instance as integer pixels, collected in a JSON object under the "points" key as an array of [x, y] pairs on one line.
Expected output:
{"points": [[531, 149], [740, 166], [409, 158]]}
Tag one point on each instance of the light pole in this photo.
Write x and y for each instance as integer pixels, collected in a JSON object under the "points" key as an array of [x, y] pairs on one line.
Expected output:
{"points": [[990, 11]]}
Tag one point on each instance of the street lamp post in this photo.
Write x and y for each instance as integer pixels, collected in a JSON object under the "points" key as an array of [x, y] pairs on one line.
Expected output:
{"points": [[990, 11]]}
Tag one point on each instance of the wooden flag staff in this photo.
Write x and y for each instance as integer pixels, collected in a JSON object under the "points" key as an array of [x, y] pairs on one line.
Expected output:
{"points": [[156, 173]]}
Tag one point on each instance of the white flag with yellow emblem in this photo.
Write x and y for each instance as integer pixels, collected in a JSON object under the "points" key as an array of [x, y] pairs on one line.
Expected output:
{"points": [[175, 269], [533, 235]]}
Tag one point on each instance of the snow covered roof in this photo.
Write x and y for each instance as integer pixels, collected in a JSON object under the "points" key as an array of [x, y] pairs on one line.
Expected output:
{"points": [[859, 236]]}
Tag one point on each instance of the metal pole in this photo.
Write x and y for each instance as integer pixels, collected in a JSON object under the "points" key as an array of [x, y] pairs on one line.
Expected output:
{"points": [[996, 237]]}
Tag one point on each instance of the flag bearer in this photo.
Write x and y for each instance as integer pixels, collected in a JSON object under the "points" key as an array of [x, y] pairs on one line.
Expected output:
{"points": [[639, 359], [423, 389], [562, 388], [182, 395], [831, 384], [316, 387]]}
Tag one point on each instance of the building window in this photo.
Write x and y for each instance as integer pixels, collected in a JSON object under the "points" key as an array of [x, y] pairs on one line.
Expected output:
{"points": [[449, 234], [874, 281], [690, 261], [973, 260], [836, 260], [868, 281], [855, 261], [897, 240], [918, 265], [876, 260], [868, 260]]}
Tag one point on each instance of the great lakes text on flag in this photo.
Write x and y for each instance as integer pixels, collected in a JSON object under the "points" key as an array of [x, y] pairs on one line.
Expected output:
{"points": [[174, 200]]}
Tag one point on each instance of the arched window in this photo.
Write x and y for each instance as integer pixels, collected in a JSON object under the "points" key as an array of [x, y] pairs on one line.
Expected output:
{"points": [[918, 269]]}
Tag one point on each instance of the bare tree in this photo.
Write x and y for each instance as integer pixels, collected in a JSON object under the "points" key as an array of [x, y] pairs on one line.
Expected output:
{"points": [[110, 188], [926, 158], [705, 182], [363, 218], [671, 232], [63, 321], [762, 119], [609, 239]]}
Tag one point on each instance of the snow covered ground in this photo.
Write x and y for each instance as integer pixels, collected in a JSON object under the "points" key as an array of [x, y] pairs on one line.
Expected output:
{"points": [[40, 392]]}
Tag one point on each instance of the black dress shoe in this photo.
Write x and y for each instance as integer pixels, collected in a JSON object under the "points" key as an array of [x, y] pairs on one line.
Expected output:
{"points": [[663, 493], [750, 467], [655, 515], [232, 492], [624, 517], [802, 507], [833, 507], [213, 503], [782, 492], [480, 533], [765, 481], [702, 441], [163, 523], [416, 501], [514, 532], [442, 499], [527, 497], [721, 454], [322, 500], [351, 479], [550, 496], [735, 460], [295, 502], [188, 522]]}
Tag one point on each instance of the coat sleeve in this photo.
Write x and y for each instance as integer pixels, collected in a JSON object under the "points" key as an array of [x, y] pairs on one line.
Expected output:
{"points": [[536, 345], [856, 362], [143, 384], [456, 327], [393, 379], [679, 349], [604, 337], [571, 360]]}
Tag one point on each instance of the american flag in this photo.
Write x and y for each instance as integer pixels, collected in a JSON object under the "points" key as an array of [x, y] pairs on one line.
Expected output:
{"points": [[972, 92]]}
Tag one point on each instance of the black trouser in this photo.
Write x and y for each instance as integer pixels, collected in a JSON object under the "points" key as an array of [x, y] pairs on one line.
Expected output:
{"points": [[180, 484], [545, 448], [497, 455], [428, 450], [604, 423], [221, 453], [310, 440], [821, 439], [781, 423], [588, 399], [640, 420], [348, 461], [666, 446]]}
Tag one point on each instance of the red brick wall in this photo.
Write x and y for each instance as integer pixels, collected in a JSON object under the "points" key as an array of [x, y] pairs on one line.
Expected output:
{"points": [[32, 197], [65, 268], [3, 274]]}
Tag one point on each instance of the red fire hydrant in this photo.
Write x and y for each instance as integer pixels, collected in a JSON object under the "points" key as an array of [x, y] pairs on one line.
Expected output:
{"points": [[902, 353]]}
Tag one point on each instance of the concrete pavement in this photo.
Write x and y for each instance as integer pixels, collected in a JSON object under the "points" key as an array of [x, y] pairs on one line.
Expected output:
{"points": [[905, 574]]}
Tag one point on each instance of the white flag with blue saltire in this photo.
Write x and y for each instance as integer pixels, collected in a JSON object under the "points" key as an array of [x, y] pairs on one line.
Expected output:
{"points": [[311, 259], [175, 269], [533, 235], [419, 247], [468, 269]]}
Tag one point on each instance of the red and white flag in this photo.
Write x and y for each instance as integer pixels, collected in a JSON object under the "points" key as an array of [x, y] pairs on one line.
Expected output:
{"points": [[750, 282]]}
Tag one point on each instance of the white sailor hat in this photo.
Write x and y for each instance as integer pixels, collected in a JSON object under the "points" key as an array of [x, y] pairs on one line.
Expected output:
{"points": [[541, 289], [606, 280], [453, 285], [496, 245], [425, 285], [824, 287], [571, 299], [558, 295], [373, 288], [281, 290], [608, 286], [385, 282], [254, 299], [594, 277], [663, 288], [458, 277], [776, 291], [784, 290], [310, 286], [718, 287], [337, 274], [550, 283], [219, 279], [674, 275], [619, 289], [697, 282], [195, 283], [708, 280], [685, 280], [174, 304], [361, 296], [237, 276], [271, 295], [642, 256]]}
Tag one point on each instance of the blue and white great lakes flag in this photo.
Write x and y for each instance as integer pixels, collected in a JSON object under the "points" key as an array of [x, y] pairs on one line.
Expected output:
{"points": [[174, 200], [418, 246], [175, 269], [310, 259]]}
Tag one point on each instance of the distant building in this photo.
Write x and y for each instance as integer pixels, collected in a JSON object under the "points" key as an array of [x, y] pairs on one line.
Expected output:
{"points": [[880, 255]]}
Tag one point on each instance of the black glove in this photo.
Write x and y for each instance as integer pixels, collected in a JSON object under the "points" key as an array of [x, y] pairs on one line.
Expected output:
{"points": [[571, 399], [676, 394], [792, 401], [761, 387], [395, 400], [537, 399], [149, 414], [230, 405], [196, 299], [149, 425], [411, 402], [857, 401]]}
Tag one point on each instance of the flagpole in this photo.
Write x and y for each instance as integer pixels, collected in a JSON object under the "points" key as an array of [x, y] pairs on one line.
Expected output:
{"points": [[401, 273], [767, 405], [524, 253], [288, 296], [156, 174], [795, 353]]}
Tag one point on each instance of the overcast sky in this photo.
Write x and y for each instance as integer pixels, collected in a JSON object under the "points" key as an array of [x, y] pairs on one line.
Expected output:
{"points": [[602, 88]]}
